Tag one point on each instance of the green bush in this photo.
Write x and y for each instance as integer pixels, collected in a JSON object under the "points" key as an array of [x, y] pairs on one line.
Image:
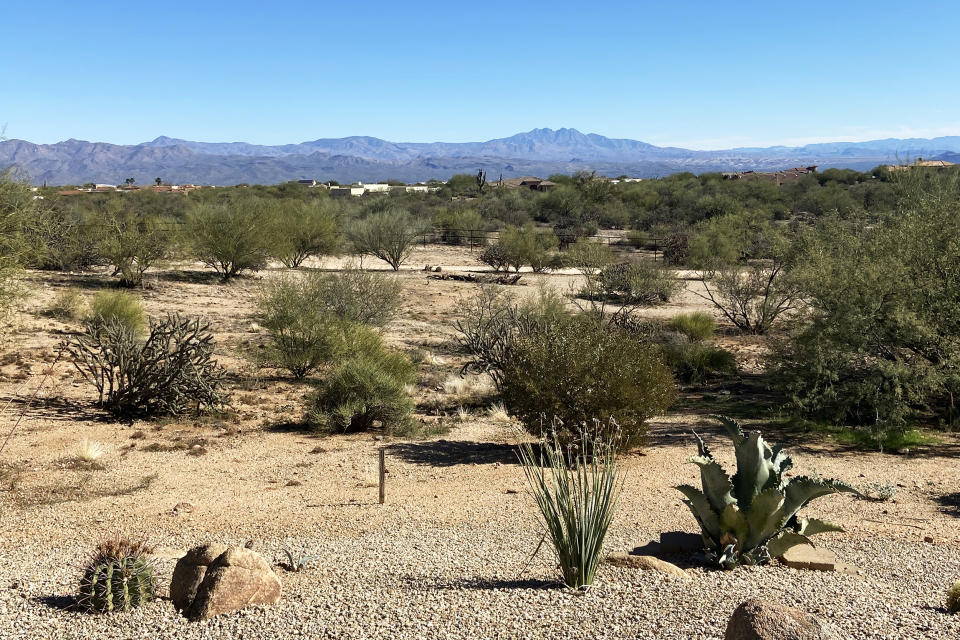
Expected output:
{"points": [[303, 229], [232, 237], [356, 295], [365, 392], [118, 306], [528, 246], [496, 257], [69, 304], [575, 371], [637, 283], [694, 362], [697, 325], [389, 235], [877, 345], [313, 319], [130, 242]]}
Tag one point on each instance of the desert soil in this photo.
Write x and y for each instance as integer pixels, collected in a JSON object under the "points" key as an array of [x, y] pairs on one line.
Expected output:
{"points": [[449, 554]]}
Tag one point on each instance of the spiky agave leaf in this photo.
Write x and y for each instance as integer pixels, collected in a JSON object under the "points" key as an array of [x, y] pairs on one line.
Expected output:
{"points": [[733, 428], [707, 518], [801, 490], [716, 483], [783, 541], [763, 518], [755, 472], [813, 526]]}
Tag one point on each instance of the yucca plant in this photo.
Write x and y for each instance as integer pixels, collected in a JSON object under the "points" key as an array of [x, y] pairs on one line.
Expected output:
{"points": [[753, 516], [576, 489], [118, 576]]}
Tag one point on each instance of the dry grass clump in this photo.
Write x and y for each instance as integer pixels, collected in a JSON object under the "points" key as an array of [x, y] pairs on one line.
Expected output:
{"points": [[89, 451], [69, 305], [467, 386], [498, 413]]}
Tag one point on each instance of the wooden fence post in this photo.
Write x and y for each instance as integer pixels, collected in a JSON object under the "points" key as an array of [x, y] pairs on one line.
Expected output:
{"points": [[383, 476]]}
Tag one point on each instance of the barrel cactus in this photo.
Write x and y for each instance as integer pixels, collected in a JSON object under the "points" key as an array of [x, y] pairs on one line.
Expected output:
{"points": [[118, 576], [953, 598], [753, 516]]}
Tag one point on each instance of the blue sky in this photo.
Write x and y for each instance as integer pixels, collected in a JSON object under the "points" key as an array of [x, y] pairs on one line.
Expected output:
{"points": [[695, 74]]}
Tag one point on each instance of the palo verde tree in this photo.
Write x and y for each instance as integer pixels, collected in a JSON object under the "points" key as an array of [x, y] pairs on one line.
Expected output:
{"points": [[389, 235]]}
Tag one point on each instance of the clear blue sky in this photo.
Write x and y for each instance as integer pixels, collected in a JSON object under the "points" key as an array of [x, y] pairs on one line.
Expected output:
{"points": [[696, 74]]}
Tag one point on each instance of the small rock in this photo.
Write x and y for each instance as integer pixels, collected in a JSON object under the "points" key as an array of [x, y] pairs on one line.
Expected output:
{"points": [[928, 539], [646, 563], [183, 507], [758, 619], [294, 483]]}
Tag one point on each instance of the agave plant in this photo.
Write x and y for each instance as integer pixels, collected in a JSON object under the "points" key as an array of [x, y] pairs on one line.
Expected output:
{"points": [[753, 516]]}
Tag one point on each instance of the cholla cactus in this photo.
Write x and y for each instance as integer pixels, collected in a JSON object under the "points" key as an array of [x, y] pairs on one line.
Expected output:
{"points": [[753, 516], [953, 598], [118, 576]]}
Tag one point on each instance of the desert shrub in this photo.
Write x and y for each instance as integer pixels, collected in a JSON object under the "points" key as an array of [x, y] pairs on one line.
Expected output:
{"points": [[697, 326], [528, 245], [364, 392], [489, 323], [389, 235], [637, 239], [576, 493], [878, 343], [17, 208], [637, 283], [69, 304], [302, 336], [356, 295], [462, 226], [588, 257], [119, 307], [303, 229], [693, 362], [169, 372], [496, 257], [314, 319], [64, 237], [676, 248], [118, 576], [575, 371], [130, 242], [752, 296], [232, 237]]}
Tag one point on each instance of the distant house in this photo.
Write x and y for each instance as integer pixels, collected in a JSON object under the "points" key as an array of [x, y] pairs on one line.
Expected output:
{"points": [[527, 182], [920, 162], [777, 177], [309, 183]]}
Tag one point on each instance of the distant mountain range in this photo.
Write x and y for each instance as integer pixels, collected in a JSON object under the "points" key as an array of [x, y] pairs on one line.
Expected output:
{"points": [[359, 158]]}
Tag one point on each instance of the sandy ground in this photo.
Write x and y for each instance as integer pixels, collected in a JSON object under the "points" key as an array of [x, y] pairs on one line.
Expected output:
{"points": [[445, 556]]}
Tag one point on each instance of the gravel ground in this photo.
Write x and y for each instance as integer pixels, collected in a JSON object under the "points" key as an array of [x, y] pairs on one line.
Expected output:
{"points": [[445, 557]]}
